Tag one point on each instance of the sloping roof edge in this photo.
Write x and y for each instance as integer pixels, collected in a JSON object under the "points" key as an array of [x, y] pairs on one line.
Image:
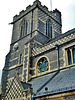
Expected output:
{"points": [[62, 35]]}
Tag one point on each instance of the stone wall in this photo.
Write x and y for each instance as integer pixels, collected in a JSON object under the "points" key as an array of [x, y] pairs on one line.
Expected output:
{"points": [[72, 97], [51, 54], [54, 17]]}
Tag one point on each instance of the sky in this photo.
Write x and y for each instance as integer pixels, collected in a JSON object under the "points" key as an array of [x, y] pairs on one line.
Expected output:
{"points": [[9, 8]]}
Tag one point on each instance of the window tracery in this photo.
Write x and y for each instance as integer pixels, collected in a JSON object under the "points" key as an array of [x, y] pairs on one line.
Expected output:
{"points": [[49, 28], [71, 55], [23, 28], [42, 64]]}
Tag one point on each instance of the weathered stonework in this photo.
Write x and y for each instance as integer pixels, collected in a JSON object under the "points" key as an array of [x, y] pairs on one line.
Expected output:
{"points": [[22, 61]]}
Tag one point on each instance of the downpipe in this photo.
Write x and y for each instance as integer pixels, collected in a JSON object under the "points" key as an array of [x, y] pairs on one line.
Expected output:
{"points": [[57, 48]]}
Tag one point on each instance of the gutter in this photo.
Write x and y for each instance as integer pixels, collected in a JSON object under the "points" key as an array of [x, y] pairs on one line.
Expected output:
{"points": [[48, 94]]}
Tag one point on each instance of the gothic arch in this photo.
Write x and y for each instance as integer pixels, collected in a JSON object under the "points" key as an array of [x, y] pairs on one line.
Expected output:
{"points": [[23, 28], [49, 28], [46, 65]]}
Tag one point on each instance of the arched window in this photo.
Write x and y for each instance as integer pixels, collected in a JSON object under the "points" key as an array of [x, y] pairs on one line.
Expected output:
{"points": [[42, 64], [23, 28], [49, 28], [69, 57], [73, 51]]}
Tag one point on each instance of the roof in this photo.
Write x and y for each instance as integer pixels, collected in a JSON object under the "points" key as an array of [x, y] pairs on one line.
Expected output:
{"points": [[62, 82], [62, 35], [40, 81], [26, 85]]}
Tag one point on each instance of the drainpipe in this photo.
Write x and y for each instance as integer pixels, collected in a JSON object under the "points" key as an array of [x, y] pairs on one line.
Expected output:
{"points": [[57, 48], [47, 81], [32, 97]]}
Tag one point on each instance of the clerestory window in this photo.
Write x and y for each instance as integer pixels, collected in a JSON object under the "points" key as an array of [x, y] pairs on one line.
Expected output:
{"points": [[49, 29], [23, 28], [70, 55]]}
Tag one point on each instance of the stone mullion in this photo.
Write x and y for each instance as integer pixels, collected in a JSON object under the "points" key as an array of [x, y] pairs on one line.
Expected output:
{"points": [[71, 55], [66, 57]]}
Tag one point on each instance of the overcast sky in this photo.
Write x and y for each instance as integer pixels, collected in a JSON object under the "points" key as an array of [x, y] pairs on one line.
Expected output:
{"points": [[9, 8]]}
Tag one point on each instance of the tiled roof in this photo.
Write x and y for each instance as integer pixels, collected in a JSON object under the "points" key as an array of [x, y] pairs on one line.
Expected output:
{"points": [[26, 85], [63, 81], [37, 82], [60, 36]]}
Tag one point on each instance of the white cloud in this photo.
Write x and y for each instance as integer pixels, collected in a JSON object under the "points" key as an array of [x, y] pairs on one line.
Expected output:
{"points": [[67, 8]]}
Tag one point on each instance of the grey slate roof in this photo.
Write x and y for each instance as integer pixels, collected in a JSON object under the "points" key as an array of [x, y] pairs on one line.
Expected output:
{"points": [[26, 85], [37, 82], [66, 33], [63, 81]]}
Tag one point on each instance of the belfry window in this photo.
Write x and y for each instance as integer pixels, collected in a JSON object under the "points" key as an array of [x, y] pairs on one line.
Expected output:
{"points": [[23, 28], [49, 29], [71, 55]]}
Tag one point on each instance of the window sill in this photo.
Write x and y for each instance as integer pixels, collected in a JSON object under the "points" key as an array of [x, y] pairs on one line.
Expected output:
{"points": [[71, 65]]}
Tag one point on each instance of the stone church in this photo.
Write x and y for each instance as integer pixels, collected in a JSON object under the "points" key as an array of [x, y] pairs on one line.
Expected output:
{"points": [[41, 62]]}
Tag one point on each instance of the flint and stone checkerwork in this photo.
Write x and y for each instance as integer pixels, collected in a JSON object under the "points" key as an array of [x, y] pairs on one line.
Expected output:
{"points": [[32, 58]]}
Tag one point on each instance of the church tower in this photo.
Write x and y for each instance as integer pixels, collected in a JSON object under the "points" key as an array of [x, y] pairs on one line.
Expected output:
{"points": [[32, 28]]}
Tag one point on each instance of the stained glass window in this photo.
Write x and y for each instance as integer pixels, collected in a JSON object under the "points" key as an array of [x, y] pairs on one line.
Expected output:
{"points": [[43, 65]]}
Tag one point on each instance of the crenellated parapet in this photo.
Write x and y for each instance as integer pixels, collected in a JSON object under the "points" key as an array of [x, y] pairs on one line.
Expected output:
{"points": [[55, 13], [28, 9]]}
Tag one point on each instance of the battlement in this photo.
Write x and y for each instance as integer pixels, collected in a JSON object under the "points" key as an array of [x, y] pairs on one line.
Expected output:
{"points": [[36, 2], [56, 10], [29, 8]]}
